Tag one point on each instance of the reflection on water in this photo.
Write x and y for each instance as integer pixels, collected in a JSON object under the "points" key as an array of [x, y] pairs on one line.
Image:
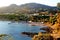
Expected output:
{"points": [[15, 29]]}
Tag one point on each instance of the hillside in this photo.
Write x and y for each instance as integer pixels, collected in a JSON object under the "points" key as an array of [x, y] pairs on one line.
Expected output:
{"points": [[25, 8]]}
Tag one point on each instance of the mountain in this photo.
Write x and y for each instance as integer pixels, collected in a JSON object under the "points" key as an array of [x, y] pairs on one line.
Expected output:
{"points": [[25, 8], [34, 5]]}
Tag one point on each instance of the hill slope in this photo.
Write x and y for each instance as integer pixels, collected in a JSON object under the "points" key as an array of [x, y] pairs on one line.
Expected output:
{"points": [[25, 8]]}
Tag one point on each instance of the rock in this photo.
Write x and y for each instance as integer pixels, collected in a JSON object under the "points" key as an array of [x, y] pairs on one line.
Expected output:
{"points": [[1, 35], [47, 29], [42, 36], [30, 34]]}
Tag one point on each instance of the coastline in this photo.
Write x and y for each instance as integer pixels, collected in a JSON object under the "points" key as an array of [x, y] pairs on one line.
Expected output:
{"points": [[40, 24], [37, 24]]}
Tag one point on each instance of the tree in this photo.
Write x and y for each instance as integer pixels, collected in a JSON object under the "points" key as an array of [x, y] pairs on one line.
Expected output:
{"points": [[58, 6]]}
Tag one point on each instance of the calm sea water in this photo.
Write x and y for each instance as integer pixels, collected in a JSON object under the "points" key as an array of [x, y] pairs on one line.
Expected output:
{"points": [[15, 29]]}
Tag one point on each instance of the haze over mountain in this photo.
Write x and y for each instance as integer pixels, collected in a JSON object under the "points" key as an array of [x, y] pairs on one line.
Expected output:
{"points": [[24, 8]]}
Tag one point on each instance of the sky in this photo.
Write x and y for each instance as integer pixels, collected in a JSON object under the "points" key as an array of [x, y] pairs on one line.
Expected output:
{"points": [[19, 2]]}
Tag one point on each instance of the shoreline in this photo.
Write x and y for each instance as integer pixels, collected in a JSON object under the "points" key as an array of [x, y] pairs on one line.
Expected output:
{"points": [[37, 24], [41, 24]]}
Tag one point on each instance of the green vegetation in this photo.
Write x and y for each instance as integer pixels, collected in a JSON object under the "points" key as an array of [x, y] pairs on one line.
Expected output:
{"points": [[58, 5], [14, 17], [24, 17], [5, 37], [39, 18], [53, 19], [55, 33]]}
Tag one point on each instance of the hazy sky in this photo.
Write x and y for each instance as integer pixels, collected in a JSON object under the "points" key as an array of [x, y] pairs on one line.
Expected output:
{"points": [[19, 2]]}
